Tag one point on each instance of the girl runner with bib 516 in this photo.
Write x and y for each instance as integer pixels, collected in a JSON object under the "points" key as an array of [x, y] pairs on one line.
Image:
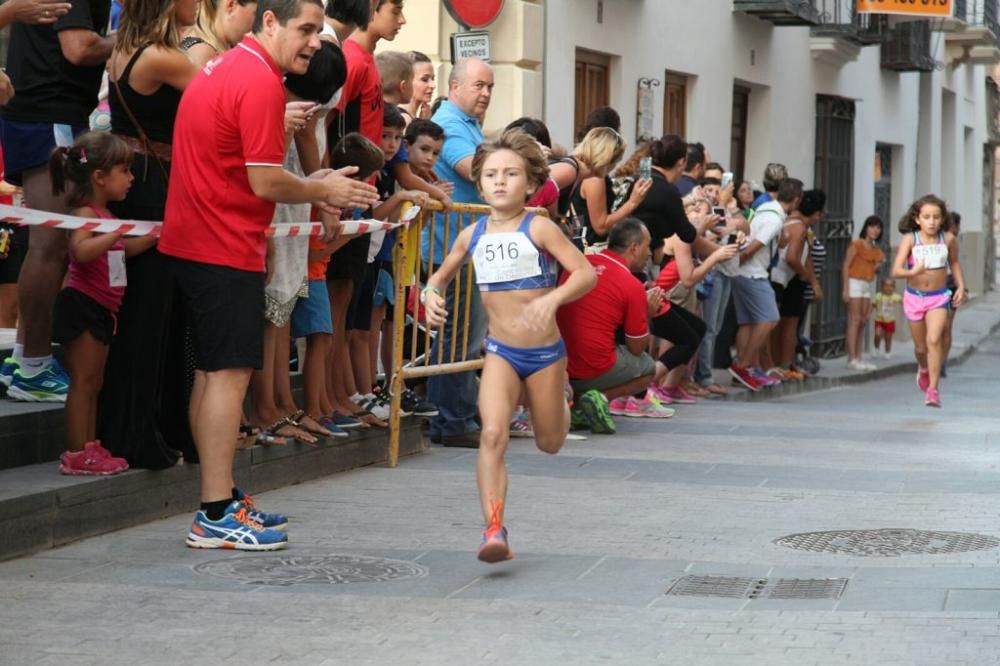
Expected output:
{"points": [[925, 251], [515, 255]]}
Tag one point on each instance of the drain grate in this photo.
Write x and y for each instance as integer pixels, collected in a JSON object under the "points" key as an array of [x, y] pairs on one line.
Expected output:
{"points": [[733, 587], [300, 569], [808, 588], [888, 542], [729, 587]]}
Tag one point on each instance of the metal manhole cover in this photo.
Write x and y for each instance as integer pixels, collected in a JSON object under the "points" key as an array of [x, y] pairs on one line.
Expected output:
{"points": [[298, 569], [730, 587], [888, 542], [807, 588]]}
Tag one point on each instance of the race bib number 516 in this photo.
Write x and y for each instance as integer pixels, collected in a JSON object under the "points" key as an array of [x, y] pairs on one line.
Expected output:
{"points": [[505, 257]]}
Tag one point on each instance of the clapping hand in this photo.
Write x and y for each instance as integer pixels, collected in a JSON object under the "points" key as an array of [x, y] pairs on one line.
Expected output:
{"points": [[344, 191], [654, 298]]}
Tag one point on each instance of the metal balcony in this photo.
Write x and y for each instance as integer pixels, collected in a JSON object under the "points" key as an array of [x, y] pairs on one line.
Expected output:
{"points": [[841, 19], [974, 36], [908, 48], [781, 12]]}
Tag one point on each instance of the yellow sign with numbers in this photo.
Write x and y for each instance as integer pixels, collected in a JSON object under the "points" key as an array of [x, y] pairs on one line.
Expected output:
{"points": [[911, 7]]}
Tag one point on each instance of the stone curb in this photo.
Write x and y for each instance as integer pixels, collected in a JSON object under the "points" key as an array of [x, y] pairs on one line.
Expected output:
{"points": [[39, 509]]}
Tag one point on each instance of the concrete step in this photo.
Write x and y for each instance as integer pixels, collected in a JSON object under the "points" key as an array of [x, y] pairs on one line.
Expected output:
{"points": [[41, 509]]}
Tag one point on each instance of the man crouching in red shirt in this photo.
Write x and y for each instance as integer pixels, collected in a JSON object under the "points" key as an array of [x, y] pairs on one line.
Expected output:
{"points": [[229, 146]]}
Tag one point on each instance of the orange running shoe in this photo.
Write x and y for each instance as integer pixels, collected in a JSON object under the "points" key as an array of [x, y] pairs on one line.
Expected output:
{"points": [[495, 547]]}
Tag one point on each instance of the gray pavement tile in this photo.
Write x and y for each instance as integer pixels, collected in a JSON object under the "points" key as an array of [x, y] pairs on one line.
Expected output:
{"points": [[866, 598], [973, 600], [48, 568]]}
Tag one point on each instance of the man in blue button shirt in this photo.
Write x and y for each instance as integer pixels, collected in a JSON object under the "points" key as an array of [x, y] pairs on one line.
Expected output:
{"points": [[470, 86]]}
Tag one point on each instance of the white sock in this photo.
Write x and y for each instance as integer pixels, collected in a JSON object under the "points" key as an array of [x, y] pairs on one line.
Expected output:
{"points": [[18, 354], [32, 365]]}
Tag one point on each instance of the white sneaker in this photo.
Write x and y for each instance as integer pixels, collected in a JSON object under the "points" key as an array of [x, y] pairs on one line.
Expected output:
{"points": [[887, 355], [869, 366], [377, 407], [856, 365]]}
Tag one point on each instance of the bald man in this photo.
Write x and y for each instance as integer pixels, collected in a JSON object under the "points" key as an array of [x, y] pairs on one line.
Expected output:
{"points": [[470, 86]]}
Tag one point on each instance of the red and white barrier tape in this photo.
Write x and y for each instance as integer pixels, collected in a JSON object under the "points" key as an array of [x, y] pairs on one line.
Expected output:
{"points": [[30, 217]]}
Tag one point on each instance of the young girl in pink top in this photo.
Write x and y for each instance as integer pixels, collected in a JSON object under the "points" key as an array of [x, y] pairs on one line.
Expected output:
{"points": [[94, 171], [925, 253]]}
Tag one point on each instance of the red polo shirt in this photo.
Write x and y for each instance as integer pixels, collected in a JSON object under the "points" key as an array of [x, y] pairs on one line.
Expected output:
{"points": [[230, 117], [588, 325]]}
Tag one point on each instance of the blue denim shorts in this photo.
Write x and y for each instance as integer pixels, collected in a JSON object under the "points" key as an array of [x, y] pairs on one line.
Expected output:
{"points": [[312, 314]]}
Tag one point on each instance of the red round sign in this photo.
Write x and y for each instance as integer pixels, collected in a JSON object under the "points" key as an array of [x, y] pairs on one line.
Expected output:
{"points": [[474, 13]]}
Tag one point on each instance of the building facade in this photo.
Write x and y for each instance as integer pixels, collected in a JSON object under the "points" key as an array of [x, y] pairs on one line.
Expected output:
{"points": [[876, 111]]}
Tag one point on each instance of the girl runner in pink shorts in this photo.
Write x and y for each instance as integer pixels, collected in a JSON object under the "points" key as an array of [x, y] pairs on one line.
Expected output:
{"points": [[924, 253]]}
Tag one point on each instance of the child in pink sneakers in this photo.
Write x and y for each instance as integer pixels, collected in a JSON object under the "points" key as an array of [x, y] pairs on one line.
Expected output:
{"points": [[925, 251], [94, 171]]}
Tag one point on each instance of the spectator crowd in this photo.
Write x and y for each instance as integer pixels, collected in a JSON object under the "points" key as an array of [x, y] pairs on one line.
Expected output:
{"points": [[226, 117]]}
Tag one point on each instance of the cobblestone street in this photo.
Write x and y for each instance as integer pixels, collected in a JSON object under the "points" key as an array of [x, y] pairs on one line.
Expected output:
{"points": [[381, 567]]}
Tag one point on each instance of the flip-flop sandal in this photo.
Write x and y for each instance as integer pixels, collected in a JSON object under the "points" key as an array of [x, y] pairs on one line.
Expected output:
{"points": [[715, 389], [372, 420], [287, 428]]}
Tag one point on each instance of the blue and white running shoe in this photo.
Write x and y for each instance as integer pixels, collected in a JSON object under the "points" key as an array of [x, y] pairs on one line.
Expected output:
{"points": [[235, 530], [49, 385], [271, 521]]}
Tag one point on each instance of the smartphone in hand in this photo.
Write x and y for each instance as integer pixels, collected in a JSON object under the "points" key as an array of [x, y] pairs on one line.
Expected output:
{"points": [[646, 167]]}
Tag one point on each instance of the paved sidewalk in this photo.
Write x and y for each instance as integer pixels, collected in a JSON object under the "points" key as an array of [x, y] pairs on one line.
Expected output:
{"points": [[974, 323], [382, 567]]}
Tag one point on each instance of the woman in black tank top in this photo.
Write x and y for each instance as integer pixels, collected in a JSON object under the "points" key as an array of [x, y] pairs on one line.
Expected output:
{"points": [[142, 414]]}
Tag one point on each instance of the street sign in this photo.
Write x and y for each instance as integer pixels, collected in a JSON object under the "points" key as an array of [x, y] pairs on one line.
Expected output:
{"points": [[474, 13], [470, 45], [906, 7]]}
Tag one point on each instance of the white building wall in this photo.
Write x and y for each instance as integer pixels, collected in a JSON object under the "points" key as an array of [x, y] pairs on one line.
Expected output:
{"points": [[936, 121]]}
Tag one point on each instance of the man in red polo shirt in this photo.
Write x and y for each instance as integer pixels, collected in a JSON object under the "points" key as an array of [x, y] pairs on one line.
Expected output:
{"points": [[599, 369], [229, 146]]}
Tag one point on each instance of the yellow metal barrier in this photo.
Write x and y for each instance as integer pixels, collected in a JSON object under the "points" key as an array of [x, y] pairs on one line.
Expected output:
{"points": [[410, 272]]}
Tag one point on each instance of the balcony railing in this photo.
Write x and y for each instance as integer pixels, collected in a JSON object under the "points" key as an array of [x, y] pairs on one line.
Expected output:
{"points": [[979, 12], [840, 18], [975, 32], [781, 12], [908, 48]]}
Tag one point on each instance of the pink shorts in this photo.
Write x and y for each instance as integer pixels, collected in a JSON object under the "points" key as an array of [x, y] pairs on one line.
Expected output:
{"points": [[916, 303]]}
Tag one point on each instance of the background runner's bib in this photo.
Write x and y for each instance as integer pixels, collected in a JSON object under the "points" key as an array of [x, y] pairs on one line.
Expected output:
{"points": [[505, 257], [933, 256]]}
